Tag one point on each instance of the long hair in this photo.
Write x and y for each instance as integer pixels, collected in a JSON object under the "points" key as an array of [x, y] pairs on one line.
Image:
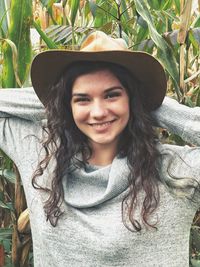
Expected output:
{"points": [[64, 140]]}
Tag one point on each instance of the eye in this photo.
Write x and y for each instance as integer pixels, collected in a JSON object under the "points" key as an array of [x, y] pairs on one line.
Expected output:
{"points": [[112, 95], [81, 99]]}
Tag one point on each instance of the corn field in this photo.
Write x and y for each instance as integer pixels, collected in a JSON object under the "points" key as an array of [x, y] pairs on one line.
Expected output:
{"points": [[168, 29]]}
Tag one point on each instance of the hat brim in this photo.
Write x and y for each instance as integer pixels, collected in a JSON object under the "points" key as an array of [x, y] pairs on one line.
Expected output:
{"points": [[48, 66]]}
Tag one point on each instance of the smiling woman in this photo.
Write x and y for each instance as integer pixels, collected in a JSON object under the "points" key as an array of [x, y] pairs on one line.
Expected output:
{"points": [[95, 110], [101, 189]]}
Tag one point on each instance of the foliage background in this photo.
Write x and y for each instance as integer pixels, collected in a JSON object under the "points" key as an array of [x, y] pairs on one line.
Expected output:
{"points": [[168, 29]]}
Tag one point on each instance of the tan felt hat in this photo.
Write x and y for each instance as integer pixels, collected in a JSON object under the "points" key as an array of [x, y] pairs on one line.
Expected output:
{"points": [[98, 46]]}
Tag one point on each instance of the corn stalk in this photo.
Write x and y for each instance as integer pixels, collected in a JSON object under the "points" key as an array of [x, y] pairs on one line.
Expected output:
{"points": [[13, 213], [186, 7], [19, 34]]}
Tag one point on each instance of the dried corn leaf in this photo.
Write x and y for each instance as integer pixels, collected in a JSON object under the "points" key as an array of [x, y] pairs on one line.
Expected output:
{"points": [[185, 20]]}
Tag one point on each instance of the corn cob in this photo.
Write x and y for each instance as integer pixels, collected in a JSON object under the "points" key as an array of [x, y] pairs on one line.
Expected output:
{"points": [[23, 222]]}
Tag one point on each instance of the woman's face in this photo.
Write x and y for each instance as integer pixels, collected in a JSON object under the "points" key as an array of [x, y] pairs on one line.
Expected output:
{"points": [[100, 107]]}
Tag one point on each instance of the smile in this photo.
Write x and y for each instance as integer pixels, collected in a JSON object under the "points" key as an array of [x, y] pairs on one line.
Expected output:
{"points": [[102, 127], [101, 124]]}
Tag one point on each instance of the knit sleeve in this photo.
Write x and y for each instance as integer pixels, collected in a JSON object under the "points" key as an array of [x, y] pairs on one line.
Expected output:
{"points": [[179, 119], [21, 118], [21, 103]]}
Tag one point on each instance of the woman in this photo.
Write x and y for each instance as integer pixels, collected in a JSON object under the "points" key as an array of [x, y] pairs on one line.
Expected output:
{"points": [[103, 191]]}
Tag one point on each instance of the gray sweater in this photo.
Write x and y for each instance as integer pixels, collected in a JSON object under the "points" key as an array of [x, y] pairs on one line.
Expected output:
{"points": [[90, 232]]}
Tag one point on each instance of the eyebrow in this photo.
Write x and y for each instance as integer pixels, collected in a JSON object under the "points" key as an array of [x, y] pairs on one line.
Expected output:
{"points": [[106, 91]]}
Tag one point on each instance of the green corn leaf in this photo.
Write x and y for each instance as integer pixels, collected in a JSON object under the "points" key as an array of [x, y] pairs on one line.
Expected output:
{"points": [[8, 77], [125, 9], [141, 34], [5, 233], [48, 5], [104, 13], [158, 4], [8, 262], [6, 161], [171, 17], [7, 245], [142, 22], [50, 44], [171, 37], [195, 263], [8, 175], [176, 139], [193, 40], [197, 22], [3, 19], [166, 55], [19, 33], [74, 9], [99, 21], [177, 6], [86, 10], [17, 50], [189, 102], [198, 99], [127, 27], [10, 66], [167, 4], [154, 4], [8, 205], [93, 8]]}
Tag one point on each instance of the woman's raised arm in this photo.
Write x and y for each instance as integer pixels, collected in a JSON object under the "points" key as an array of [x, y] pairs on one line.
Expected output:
{"points": [[21, 116], [22, 103], [179, 119]]}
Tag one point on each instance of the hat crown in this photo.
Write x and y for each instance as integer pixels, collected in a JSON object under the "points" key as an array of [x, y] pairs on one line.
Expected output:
{"points": [[99, 41]]}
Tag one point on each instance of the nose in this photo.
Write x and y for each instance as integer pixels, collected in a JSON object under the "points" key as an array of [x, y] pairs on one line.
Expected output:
{"points": [[98, 110]]}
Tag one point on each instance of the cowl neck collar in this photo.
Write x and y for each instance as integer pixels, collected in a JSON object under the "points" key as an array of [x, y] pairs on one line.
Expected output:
{"points": [[91, 185]]}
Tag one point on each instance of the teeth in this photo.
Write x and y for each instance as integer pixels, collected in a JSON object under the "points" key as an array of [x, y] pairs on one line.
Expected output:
{"points": [[99, 125]]}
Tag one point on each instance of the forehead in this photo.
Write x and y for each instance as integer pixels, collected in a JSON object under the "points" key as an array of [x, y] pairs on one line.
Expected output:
{"points": [[101, 79]]}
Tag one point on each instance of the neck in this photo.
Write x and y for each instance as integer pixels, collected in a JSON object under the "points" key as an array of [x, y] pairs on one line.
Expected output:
{"points": [[102, 155]]}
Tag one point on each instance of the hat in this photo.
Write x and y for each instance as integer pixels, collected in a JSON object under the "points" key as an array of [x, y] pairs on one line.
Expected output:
{"points": [[48, 66]]}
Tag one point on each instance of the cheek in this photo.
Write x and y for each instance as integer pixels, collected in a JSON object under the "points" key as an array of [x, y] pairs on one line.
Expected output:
{"points": [[125, 109], [126, 114], [79, 114]]}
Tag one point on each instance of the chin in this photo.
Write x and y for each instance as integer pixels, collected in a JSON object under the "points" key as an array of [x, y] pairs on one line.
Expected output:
{"points": [[104, 141]]}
